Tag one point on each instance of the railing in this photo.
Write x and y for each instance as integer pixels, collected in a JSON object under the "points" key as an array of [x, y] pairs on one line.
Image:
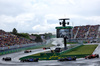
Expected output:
{"points": [[19, 46]]}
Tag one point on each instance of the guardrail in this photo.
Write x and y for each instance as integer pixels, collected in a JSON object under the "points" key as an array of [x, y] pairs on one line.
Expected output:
{"points": [[19, 46], [2, 52], [16, 48]]}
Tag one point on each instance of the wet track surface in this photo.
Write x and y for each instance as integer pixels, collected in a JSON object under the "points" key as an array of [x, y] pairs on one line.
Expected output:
{"points": [[78, 62]]}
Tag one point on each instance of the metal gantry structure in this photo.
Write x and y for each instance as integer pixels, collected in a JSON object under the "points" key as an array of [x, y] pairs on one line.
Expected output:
{"points": [[63, 23]]}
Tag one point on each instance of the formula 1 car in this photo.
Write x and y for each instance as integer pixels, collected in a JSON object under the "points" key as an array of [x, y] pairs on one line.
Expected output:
{"points": [[46, 48], [30, 60], [27, 51], [7, 59], [67, 59], [92, 56], [58, 49]]}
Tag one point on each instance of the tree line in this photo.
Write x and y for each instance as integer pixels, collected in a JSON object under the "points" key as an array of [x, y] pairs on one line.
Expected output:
{"points": [[27, 36]]}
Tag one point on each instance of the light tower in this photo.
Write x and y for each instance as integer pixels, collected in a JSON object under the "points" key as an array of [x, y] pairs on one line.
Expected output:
{"points": [[63, 23], [64, 31]]}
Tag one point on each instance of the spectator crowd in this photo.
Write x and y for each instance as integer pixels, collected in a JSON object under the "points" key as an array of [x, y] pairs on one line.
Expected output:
{"points": [[88, 31], [82, 31], [8, 39], [93, 31]]}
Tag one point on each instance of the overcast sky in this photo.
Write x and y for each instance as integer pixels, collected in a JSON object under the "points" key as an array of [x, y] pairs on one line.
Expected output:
{"points": [[42, 15]]}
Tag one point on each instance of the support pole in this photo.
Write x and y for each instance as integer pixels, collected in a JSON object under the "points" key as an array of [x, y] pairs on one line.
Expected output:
{"points": [[65, 47], [64, 25]]}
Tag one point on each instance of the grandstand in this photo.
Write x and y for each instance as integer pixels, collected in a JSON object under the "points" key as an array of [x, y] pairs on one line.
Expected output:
{"points": [[87, 33], [7, 39]]}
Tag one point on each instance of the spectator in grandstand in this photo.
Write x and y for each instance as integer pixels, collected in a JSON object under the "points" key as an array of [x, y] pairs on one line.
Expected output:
{"points": [[93, 31], [82, 31], [7, 39]]}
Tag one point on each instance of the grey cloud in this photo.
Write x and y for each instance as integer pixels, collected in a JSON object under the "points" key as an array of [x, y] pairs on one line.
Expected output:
{"points": [[14, 8]]}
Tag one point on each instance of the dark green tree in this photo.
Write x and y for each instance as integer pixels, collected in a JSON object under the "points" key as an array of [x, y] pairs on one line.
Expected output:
{"points": [[14, 31], [38, 39], [25, 35], [48, 35]]}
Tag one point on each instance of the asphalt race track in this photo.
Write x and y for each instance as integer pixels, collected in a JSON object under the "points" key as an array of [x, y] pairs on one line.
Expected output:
{"points": [[78, 62]]}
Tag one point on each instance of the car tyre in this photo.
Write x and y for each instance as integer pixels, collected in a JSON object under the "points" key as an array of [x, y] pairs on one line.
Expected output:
{"points": [[97, 56], [89, 57], [74, 59]]}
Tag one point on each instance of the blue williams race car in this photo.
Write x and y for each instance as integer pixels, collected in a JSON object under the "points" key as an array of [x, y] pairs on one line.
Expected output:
{"points": [[67, 59], [30, 60]]}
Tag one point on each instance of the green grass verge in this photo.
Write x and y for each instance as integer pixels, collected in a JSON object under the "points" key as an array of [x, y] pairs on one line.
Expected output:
{"points": [[85, 49], [81, 51], [72, 42]]}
